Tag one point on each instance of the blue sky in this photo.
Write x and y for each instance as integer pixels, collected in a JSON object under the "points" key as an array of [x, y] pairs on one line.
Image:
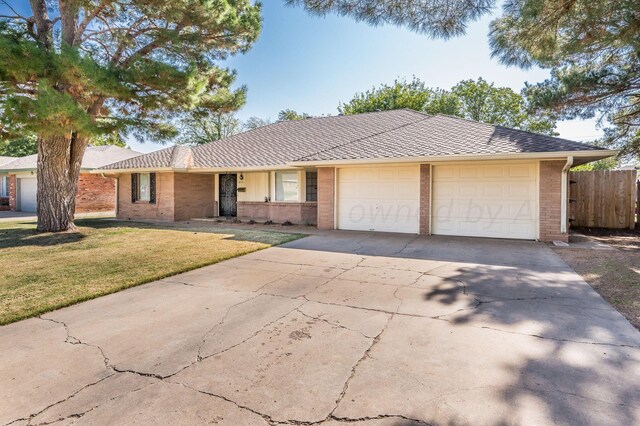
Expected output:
{"points": [[310, 64]]}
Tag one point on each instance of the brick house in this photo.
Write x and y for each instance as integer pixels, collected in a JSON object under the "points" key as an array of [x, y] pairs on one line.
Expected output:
{"points": [[96, 192], [393, 171]]}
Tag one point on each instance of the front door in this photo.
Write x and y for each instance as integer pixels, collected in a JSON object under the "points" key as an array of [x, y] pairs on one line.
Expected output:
{"points": [[228, 195]]}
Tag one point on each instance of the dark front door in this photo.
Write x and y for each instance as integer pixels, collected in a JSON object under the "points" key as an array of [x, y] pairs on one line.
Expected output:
{"points": [[228, 195]]}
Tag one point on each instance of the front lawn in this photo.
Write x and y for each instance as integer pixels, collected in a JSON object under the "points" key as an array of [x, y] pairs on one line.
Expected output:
{"points": [[43, 272]]}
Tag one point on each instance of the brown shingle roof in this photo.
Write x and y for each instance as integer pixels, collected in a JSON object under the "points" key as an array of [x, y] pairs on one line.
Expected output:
{"points": [[386, 134], [442, 135]]}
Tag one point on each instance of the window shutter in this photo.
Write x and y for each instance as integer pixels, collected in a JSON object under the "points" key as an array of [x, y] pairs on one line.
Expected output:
{"points": [[152, 188], [134, 187]]}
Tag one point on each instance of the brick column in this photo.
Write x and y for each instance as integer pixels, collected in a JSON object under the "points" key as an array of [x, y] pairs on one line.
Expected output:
{"points": [[425, 191], [12, 193], [550, 201], [326, 197]]}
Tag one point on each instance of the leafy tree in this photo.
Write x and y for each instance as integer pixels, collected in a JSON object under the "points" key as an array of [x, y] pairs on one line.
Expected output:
{"points": [[254, 123], [289, 115], [473, 99], [593, 52], [19, 147], [203, 127], [75, 69], [481, 101], [401, 94]]}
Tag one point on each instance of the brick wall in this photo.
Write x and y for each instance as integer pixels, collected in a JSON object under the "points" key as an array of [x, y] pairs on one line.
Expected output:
{"points": [[95, 193], [13, 200], [326, 197], [163, 209], [194, 196], [279, 212], [550, 200], [425, 190]]}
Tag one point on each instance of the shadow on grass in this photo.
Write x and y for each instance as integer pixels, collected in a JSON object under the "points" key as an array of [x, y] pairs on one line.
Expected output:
{"points": [[24, 235]]}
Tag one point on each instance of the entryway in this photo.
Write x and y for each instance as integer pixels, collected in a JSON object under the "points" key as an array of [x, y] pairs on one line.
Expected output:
{"points": [[228, 195]]}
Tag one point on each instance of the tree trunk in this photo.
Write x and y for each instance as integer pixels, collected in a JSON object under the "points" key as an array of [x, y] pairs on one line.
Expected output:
{"points": [[59, 161]]}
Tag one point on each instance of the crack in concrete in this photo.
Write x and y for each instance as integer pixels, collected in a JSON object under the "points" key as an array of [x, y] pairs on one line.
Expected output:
{"points": [[364, 356], [30, 417], [334, 324], [82, 413], [222, 320]]}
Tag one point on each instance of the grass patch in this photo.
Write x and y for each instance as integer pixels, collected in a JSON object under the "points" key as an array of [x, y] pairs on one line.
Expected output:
{"points": [[43, 272], [614, 274]]}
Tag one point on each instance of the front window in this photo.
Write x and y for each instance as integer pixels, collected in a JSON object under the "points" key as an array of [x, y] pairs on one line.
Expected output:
{"points": [[144, 187], [312, 186], [4, 186], [287, 186]]}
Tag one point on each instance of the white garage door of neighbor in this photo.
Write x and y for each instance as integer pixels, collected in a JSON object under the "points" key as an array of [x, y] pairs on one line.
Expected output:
{"points": [[486, 200], [379, 199], [27, 196]]}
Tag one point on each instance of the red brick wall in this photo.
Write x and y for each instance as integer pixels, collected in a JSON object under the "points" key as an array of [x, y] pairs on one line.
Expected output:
{"points": [[194, 196], [163, 209], [326, 197], [95, 193], [550, 200], [425, 190], [13, 200], [279, 212]]}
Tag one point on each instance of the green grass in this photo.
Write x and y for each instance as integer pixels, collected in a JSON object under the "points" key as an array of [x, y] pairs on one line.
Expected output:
{"points": [[43, 272]]}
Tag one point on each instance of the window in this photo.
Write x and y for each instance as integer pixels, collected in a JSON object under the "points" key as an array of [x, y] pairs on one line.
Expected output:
{"points": [[143, 187], [4, 186], [312, 186], [287, 186]]}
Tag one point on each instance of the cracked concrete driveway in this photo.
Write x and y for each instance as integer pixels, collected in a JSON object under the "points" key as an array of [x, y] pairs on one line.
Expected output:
{"points": [[334, 328]]}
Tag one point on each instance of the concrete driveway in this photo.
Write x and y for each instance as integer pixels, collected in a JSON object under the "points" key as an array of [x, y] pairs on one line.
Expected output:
{"points": [[334, 328]]}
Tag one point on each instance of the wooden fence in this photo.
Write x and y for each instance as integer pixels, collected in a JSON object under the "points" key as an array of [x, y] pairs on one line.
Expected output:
{"points": [[603, 198]]}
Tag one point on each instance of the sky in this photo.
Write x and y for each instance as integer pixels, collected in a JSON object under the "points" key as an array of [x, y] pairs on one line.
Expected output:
{"points": [[310, 64]]}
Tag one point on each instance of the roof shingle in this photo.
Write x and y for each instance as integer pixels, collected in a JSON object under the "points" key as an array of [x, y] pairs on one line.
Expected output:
{"points": [[94, 157], [387, 134]]}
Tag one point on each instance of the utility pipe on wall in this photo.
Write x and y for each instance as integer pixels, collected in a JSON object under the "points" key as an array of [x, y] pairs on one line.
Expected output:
{"points": [[563, 194]]}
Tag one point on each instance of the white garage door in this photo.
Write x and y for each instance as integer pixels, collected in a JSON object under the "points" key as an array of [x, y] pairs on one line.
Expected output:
{"points": [[379, 199], [27, 196], [485, 200]]}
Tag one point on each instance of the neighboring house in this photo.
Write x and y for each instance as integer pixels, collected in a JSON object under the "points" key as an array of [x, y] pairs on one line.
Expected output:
{"points": [[4, 185], [96, 193], [396, 171]]}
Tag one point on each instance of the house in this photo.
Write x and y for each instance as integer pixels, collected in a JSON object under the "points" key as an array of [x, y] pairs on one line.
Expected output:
{"points": [[4, 185], [96, 193], [396, 171]]}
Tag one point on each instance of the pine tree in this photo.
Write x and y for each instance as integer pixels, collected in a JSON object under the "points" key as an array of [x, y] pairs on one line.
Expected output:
{"points": [[78, 69]]}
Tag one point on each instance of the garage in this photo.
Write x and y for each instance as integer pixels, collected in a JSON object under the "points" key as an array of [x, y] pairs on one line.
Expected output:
{"points": [[498, 200], [382, 198], [27, 190]]}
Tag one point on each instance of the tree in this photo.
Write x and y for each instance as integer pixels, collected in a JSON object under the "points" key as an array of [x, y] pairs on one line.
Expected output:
{"points": [[255, 122], [593, 52], [482, 101], [436, 18], [203, 127], [76, 69], [401, 94], [108, 139], [289, 115], [19, 147], [473, 99]]}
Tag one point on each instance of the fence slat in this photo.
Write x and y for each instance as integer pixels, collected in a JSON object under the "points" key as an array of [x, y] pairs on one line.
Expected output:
{"points": [[604, 198]]}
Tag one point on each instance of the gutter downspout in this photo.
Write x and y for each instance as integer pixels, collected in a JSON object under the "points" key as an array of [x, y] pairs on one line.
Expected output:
{"points": [[563, 195]]}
